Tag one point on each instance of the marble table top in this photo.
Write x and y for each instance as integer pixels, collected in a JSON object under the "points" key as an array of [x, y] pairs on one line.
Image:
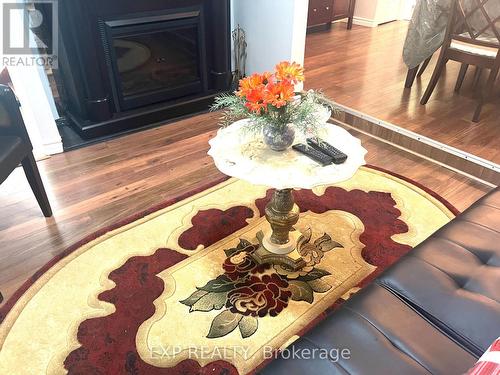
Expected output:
{"points": [[240, 153]]}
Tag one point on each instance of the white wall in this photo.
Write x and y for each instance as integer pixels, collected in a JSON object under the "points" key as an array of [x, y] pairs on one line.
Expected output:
{"points": [[299, 31], [365, 9], [407, 7], [38, 109], [275, 31]]}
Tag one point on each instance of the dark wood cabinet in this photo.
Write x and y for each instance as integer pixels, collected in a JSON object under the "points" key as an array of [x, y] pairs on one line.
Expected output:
{"points": [[341, 9], [323, 12], [320, 12]]}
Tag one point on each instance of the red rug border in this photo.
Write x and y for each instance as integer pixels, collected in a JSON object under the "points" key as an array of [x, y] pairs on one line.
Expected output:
{"points": [[4, 310], [429, 191]]}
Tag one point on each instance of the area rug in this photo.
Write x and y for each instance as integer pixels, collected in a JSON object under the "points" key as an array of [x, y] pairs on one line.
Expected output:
{"points": [[175, 290]]}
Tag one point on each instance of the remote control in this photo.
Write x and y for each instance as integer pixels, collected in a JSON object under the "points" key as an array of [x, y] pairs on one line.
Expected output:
{"points": [[313, 154], [338, 156]]}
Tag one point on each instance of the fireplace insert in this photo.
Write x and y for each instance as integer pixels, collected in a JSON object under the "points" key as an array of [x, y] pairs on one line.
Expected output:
{"points": [[126, 63], [153, 59]]}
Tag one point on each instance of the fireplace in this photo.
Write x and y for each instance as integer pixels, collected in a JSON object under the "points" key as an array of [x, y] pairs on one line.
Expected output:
{"points": [[154, 59], [128, 63]]}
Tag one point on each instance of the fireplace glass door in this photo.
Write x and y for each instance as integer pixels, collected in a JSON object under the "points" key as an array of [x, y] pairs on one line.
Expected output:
{"points": [[157, 61]]}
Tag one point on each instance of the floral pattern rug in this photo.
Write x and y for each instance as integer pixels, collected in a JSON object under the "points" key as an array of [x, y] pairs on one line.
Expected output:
{"points": [[175, 290]]}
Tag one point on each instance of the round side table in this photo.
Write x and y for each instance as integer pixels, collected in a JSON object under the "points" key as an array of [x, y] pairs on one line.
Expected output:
{"points": [[241, 153]]}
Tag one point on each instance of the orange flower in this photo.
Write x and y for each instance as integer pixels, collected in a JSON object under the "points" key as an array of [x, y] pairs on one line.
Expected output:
{"points": [[260, 90], [256, 107], [252, 82], [290, 71], [255, 100], [278, 94], [267, 77]]}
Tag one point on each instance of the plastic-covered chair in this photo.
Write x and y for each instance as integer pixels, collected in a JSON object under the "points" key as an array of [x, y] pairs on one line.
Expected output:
{"points": [[472, 38]]}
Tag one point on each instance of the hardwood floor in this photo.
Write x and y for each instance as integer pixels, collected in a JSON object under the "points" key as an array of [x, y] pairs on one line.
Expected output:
{"points": [[363, 69], [93, 187]]}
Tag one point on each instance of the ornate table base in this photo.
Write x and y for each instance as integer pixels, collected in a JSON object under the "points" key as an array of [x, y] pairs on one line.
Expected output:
{"points": [[292, 260], [284, 245]]}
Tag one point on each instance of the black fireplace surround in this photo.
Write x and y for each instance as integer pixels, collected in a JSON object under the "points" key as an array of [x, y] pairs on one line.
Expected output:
{"points": [[128, 63]]}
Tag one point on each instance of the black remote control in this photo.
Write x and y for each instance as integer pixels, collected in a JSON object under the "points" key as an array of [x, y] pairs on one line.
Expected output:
{"points": [[313, 154], [338, 156]]}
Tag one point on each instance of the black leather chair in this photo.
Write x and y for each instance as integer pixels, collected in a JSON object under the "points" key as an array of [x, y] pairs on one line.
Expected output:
{"points": [[433, 312], [15, 147]]}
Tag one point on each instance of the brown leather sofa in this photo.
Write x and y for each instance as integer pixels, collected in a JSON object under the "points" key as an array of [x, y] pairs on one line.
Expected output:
{"points": [[434, 312]]}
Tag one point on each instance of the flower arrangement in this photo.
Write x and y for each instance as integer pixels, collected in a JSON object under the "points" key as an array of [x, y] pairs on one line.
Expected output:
{"points": [[269, 100]]}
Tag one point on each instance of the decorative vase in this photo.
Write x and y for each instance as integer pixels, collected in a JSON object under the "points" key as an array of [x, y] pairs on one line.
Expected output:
{"points": [[278, 138]]}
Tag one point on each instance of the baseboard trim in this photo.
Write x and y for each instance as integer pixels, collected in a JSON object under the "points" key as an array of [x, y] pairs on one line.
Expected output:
{"points": [[367, 22], [45, 150], [53, 148], [451, 157], [489, 184]]}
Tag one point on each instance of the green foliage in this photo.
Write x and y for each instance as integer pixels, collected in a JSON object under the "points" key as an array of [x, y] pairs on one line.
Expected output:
{"points": [[302, 112], [233, 106]]}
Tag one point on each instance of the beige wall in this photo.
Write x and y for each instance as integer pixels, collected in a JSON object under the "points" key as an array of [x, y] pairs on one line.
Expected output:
{"points": [[366, 9], [374, 12]]}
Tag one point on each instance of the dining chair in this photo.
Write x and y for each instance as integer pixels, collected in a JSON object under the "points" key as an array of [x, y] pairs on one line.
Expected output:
{"points": [[480, 48], [416, 72], [16, 148]]}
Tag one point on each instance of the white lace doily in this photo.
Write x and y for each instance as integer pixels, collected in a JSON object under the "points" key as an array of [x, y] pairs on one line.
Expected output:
{"points": [[243, 154]]}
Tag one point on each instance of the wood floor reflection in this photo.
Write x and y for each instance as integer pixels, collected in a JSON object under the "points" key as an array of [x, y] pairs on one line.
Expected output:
{"points": [[363, 69]]}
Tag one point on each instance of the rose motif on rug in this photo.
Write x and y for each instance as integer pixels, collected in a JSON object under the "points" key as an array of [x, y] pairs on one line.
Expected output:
{"points": [[259, 296], [247, 291], [239, 262]]}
